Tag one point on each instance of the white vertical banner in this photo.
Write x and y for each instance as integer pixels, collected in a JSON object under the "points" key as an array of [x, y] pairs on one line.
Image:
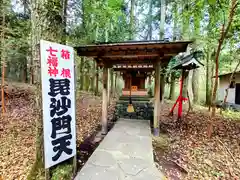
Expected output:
{"points": [[58, 96]]}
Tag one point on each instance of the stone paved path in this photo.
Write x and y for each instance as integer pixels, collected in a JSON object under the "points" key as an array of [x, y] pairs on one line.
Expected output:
{"points": [[126, 153]]}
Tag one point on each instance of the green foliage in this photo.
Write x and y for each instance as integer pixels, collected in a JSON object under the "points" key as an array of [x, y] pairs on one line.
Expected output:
{"points": [[98, 17], [62, 172], [171, 64], [231, 115], [16, 44], [52, 19], [212, 2], [53, 11]]}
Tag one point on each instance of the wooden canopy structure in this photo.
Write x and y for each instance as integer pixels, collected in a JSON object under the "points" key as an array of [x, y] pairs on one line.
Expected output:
{"points": [[129, 57], [132, 52]]}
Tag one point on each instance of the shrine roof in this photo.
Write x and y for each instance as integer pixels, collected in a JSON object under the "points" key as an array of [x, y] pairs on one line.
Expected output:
{"points": [[190, 61], [227, 74], [132, 51]]}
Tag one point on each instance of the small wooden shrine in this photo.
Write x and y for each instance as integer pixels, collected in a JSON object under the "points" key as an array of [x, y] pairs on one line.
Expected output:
{"points": [[134, 77], [136, 60]]}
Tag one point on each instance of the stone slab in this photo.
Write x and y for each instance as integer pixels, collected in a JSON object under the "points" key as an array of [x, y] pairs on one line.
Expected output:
{"points": [[126, 153]]}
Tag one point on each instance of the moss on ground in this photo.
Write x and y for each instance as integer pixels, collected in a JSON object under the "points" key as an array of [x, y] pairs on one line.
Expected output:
{"points": [[62, 172], [162, 142]]}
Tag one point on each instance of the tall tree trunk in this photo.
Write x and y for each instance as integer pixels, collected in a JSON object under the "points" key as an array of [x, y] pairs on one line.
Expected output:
{"points": [[195, 85], [108, 82], [92, 80], [25, 71], [173, 73], [185, 84], [161, 36], [25, 62], [64, 19], [185, 20], [150, 14], [82, 73], [190, 91], [36, 32], [86, 81], [175, 14], [41, 28], [25, 6], [224, 32], [34, 25], [162, 20], [132, 27], [172, 86], [208, 80], [211, 85], [195, 76], [92, 77], [3, 54], [96, 65]]}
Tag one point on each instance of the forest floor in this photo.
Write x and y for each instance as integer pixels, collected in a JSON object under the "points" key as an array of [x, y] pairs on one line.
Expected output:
{"points": [[17, 133], [181, 153], [186, 152]]}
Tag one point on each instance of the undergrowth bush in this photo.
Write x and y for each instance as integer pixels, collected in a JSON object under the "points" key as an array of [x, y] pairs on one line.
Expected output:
{"points": [[62, 172]]}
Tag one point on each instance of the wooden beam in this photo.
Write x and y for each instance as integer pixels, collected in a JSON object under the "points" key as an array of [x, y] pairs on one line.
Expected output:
{"points": [[136, 51], [130, 57], [134, 69], [138, 59], [117, 66], [128, 62], [140, 67], [105, 100], [157, 99], [134, 61], [131, 53]]}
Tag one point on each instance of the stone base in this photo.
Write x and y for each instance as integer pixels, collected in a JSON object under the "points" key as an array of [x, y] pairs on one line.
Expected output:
{"points": [[156, 132], [143, 109], [136, 98]]}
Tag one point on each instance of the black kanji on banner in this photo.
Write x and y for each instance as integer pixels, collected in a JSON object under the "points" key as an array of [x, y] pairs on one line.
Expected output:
{"points": [[61, 124], [61, 120], [59, 86], [60, 146], [59, 107]]}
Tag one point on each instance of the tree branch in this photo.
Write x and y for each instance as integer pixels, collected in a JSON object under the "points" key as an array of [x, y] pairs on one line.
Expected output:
{"points": [[229, 152], [224, 20], [221, 40], [231, 14]]}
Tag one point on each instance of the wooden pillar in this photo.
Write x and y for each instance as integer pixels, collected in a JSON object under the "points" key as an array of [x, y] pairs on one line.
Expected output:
{"points": [[115, 84], [97, 77], [108, 86], [156, 99], [105, 100]]}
